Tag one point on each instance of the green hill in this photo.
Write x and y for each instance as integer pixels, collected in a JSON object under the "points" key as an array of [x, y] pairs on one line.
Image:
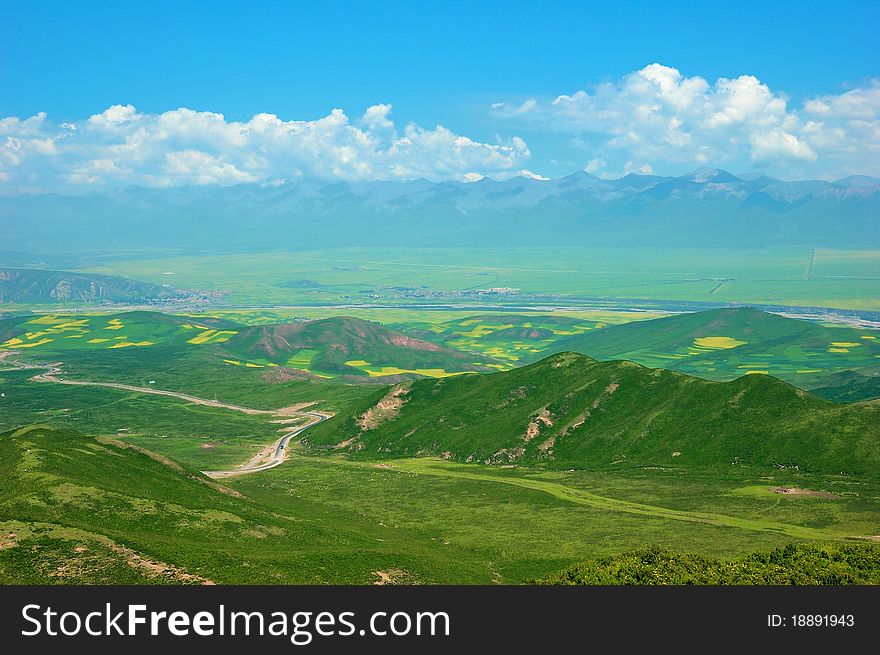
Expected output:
{"points": [[570, 411], [849, 386], [723, 344], [23, 285], [350, 349], [350, 346], [75, 509]]}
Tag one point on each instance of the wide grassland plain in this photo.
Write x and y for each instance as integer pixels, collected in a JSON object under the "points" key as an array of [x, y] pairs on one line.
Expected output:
{"points": [[799, 276]]}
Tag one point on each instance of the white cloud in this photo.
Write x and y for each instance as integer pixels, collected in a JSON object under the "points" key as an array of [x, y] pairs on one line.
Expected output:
{"points": [[121, 146], [661, 116], [376, 118], [196, 167], [779, 144], [114, 115], [530, 175], [526, 107], [641, 169], [595, 166]]}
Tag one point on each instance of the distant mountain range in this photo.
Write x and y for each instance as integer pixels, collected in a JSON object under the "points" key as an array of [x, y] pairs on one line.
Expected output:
{"points": [[708, 207]]}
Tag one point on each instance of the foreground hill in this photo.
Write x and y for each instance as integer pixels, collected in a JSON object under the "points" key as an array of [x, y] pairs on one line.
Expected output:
{"points": [[350, 346], [570, 411], [75, 509], [723, 344], [21, 285]]}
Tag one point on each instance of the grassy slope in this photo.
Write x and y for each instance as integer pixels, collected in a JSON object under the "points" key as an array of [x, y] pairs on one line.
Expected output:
{"points": [[75, 509], [797, 351], [849, 386], [613, 415], [170, 361]]}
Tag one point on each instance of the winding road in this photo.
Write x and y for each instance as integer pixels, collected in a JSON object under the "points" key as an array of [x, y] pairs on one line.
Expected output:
{"points": [[264, 460], [278, 452]]}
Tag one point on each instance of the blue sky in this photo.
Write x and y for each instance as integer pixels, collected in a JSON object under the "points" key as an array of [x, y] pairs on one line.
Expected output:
{"points": [[447, 64]]}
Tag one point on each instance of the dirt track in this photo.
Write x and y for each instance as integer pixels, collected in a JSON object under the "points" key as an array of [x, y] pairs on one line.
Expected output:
{"points": [[269, 457], [51, 376], [275, 456]]}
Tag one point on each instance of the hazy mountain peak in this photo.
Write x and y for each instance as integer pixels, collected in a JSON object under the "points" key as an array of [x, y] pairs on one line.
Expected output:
{"points": [[754, 176], [706, 175], [858, 181]]}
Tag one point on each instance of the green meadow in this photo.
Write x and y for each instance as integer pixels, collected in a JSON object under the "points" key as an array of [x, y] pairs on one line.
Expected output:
{"points": [[206, 437], [86, 510], [636, 276]]}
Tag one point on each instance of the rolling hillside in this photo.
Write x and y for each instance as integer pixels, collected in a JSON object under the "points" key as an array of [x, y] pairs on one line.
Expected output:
{"points": [[22, 285], [723, 344], [570, 411], [849, 386], [353, 348], [76, 509], [350, 346]]}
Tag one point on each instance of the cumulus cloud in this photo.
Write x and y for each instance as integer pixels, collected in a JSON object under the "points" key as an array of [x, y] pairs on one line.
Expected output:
{"points": [[658, 116], [531, 175], [122, 146]]}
